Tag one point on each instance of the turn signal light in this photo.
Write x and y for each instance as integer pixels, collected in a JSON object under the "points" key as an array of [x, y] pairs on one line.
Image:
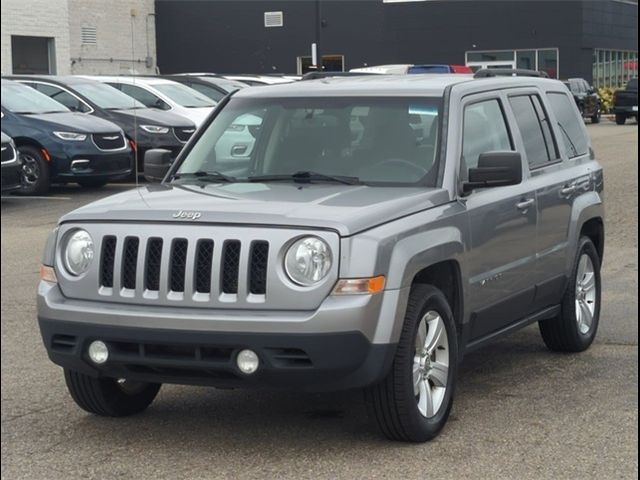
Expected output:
{"points": [[48, 274], [359, 286]]}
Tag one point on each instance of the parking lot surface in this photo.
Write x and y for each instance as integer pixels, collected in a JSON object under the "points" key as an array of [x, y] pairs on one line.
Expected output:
{"points": [[520, 412]]}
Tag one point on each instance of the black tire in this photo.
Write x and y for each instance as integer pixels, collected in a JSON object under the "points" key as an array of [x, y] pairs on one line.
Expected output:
{"points": [[106, 397], [392, 402], [621, 118], [92, 182], [596, 116], [35, 171], [562, 334]]}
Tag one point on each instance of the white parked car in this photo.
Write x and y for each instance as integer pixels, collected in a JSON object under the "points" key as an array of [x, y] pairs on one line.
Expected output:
{"points": [[154, 92]]}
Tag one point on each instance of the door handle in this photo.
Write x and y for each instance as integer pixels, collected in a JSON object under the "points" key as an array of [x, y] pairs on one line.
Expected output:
{"points": [[525, 204], [568, 190]]}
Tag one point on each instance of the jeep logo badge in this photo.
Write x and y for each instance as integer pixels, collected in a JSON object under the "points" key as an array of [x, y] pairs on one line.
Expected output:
{"points": [[187, 215]]}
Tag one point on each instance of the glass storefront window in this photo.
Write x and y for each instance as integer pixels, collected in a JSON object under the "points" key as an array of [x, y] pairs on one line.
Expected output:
{"points": [[614, 68], [526, 59], [505, 56], [548, 62]]}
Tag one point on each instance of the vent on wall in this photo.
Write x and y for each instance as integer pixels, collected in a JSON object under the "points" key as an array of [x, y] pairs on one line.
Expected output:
{"points": [[89, 35], [273, 19]]}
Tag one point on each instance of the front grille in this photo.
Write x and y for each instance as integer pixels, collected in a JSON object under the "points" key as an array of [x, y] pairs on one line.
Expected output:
{"points": [[183, 133], [230, 266], [109, 141], [178, 265], [107, 261], [8, 153], [196, 255]]}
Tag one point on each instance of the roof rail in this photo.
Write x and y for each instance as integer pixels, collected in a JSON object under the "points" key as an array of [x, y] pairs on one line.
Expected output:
{"points": [[318, 75], [509, 72]]}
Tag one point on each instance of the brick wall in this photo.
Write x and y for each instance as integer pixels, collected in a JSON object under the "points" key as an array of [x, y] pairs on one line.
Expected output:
{"points": [[38, 18], [63, 20]]}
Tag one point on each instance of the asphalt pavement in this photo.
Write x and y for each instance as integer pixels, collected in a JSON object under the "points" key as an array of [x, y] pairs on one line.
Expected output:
{"points": [[521, 412]]}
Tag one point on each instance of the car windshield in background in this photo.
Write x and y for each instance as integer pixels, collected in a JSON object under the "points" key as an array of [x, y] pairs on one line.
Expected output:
{"points": [[354, 140], [107, 97], [185, 96], [25, 100]]}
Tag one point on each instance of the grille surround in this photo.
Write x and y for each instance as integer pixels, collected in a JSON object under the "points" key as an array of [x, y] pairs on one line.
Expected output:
{"points": [[183, 134], [280, 292], [103, 141]]}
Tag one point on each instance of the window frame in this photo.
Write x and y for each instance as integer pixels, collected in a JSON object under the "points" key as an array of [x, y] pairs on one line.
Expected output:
{"points": [[532, 93], [482, 97], [54, 85]]}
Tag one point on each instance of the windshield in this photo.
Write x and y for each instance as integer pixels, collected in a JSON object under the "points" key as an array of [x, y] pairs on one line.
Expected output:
{"points": [[107, 97], [185, 96], [372, 140], [24, 100]]}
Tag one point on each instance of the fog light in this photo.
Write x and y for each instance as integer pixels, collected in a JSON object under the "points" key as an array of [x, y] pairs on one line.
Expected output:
{"points": [[98, 352], [247, 361]]}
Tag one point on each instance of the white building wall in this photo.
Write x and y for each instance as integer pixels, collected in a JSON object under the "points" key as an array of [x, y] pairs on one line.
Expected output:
{"points": [[115, 23], [37, 18]]}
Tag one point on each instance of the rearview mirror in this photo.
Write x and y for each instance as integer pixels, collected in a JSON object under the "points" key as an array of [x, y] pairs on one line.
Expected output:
{"points": [[495, 169], [157, 162]]}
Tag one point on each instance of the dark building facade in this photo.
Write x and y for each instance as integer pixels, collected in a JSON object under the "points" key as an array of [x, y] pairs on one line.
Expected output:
{"points": [[596, 40]]}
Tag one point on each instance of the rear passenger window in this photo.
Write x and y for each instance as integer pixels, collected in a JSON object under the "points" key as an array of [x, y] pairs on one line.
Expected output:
{"points": [[485, 130], [533, 123], [569, 124]]}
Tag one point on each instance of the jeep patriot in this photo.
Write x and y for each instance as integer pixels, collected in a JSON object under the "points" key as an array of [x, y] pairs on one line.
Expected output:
{"points": [[340, 233]]}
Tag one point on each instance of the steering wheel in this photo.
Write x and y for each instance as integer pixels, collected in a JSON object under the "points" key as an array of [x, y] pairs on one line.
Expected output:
{"points": [[396, 163]]}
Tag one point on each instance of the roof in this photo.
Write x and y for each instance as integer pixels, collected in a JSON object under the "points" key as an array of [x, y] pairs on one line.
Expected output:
{"points": [[141, 80], [69, 80], [387, 85]]}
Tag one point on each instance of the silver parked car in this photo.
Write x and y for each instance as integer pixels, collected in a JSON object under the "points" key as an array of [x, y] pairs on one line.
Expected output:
{"points": [[377, 229]]}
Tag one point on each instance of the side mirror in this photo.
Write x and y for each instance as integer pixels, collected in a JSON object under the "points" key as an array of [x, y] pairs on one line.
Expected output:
{"points": [[157, 162], [495, 169]]}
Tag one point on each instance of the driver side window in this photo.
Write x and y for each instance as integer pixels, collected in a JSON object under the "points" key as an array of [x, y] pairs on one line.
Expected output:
{"points": [[65, 98], [148, 99], [484, 130]]}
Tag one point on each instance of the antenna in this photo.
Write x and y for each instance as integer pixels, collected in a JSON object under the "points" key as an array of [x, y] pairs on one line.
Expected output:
{"points": [[135, 109]]}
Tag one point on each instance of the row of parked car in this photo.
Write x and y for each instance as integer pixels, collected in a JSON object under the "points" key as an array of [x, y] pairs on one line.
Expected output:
{"points": [[93, 130], [89, 130]]}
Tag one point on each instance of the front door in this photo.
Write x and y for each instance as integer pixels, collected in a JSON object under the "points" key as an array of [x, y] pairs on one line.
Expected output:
{"points": [[502, 224]]}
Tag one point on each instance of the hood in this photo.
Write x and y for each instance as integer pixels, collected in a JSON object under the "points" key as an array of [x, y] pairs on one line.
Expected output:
{"points": [[197, 115], [150, 116], [346, 209], [72, 122]]}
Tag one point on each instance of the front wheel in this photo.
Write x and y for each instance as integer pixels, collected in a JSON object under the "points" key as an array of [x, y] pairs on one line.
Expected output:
{"points": [[35, 171], [575, 328], [596, 116], [109, 397], [413, 402], [621, 118]]}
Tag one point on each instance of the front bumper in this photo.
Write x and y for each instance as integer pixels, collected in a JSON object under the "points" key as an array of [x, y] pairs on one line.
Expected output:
{"points": [[11, 177], [325, 350], [108, 166]]}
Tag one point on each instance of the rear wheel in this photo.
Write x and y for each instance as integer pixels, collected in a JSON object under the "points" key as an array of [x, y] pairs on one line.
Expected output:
{"points": [[413, 402], [621, 118], [110, 397], [575, 328], [595, 118], [35, 171]]}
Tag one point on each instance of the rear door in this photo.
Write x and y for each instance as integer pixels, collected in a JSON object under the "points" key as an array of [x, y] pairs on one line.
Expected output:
{"points": [[502, 224]]}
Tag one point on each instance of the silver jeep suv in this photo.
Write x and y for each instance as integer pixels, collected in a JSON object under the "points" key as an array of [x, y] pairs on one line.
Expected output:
{"points": [[364, 233]]}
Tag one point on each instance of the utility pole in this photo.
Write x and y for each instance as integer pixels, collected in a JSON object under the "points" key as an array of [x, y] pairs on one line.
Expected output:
{"points": [[318, 48]]}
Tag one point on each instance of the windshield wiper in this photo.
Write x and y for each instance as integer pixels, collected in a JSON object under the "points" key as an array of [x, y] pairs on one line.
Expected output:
{"points": [[201, 175], [306, 177]]}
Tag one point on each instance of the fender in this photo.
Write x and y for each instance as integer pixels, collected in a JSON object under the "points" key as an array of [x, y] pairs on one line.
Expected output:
{"points": [[585, 207]]}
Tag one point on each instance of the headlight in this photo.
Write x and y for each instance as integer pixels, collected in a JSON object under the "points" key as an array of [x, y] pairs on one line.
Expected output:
{"points": [[308, 261], [78, 252], [71, 136], [154, 129]]}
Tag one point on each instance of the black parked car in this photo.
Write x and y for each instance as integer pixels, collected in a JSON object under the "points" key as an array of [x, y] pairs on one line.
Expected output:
{"points": [[586, 98], [213, 86], [57, 145], [625, 102], [145, 128], [10, 165]]}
